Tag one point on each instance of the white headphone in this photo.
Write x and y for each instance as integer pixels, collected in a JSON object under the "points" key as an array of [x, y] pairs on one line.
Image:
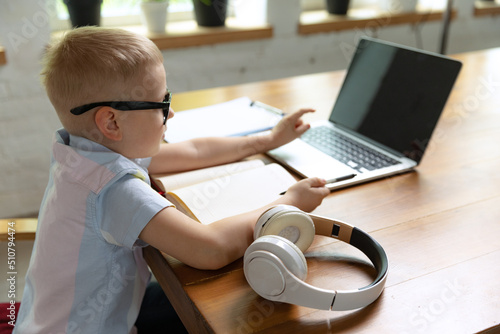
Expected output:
{"points": [[275, 266]]}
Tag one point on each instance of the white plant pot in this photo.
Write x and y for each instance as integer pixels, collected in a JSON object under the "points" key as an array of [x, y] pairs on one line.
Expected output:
{"points": [[397, 6], [154, 16]]}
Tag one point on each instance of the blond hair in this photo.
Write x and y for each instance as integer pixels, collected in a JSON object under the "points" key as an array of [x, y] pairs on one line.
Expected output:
{"points": [[93, 64]]}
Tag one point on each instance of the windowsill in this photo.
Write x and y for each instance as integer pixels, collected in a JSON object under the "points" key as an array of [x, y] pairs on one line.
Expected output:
{"points": [[187, 34], [321, 21], [485, 8], [184, 34], [3, 57]]}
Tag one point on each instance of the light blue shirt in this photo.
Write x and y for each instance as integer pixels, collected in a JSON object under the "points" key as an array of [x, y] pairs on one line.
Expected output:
{"points": [[87, 273]]}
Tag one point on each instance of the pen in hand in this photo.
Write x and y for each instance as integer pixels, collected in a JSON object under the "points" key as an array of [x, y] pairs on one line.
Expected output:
{"points": [[337, 179]]}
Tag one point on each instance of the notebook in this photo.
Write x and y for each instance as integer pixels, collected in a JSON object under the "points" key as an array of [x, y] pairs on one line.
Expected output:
{"points": [[383, 118]]}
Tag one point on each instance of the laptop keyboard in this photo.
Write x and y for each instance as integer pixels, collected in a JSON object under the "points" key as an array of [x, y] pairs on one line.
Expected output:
{"points": [[346, 150]]}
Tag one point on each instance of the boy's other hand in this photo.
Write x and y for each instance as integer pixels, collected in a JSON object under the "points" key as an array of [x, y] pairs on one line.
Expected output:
{"points": [[306, 194], [289, 128]]}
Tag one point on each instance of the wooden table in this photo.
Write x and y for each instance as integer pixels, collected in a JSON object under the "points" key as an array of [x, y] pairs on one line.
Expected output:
{"points": [[440, 227]]}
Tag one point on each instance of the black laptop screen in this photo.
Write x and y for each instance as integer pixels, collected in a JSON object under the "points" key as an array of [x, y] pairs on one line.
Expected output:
{"points": [[394, 95]]}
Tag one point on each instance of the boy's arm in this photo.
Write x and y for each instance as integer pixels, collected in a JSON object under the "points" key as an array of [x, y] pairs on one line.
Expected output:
{"points": [[205, 152], [220, 243]]}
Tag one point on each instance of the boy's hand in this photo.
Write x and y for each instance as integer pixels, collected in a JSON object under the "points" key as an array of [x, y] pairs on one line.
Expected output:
{"points": [[306, 194], [289, 128]]}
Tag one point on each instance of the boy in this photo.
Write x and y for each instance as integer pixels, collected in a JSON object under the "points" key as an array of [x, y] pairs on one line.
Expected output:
{"points": [[87, 273]]}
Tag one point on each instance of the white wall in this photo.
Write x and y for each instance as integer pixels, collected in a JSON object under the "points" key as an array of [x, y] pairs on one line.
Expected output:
{"points": [[27, 120]]}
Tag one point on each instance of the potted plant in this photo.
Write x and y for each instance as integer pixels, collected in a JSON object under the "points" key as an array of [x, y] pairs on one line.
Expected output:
{"points": [[338, 7], [84, 12], [210, 13], [154, 15]]}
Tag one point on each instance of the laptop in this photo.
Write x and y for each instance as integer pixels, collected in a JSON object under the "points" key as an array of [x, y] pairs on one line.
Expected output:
{"points": [[387, 108]]}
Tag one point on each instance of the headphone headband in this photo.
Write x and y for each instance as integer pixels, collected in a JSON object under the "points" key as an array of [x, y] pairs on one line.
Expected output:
{"points": [[357, 238]]}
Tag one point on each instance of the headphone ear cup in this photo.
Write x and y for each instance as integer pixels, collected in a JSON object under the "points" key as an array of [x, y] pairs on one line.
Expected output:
{"points": [[288, 222], [282, 249]]}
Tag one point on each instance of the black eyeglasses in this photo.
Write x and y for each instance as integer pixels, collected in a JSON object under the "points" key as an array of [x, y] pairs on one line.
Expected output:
{"points": [[129, 105]]}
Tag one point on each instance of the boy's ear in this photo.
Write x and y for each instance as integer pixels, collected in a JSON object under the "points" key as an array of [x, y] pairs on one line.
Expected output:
{"points": [[106, 119]]}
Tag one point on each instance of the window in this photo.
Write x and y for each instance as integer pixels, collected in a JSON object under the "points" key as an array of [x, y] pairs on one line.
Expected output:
{"points": [[321, 4], [118, 13]]}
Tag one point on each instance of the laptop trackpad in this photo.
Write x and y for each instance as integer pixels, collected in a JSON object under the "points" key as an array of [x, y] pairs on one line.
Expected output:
{"points": [[308, 161]]}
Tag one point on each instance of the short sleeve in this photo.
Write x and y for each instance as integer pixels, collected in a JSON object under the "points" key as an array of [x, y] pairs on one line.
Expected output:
{"points": [[126, 207]]}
